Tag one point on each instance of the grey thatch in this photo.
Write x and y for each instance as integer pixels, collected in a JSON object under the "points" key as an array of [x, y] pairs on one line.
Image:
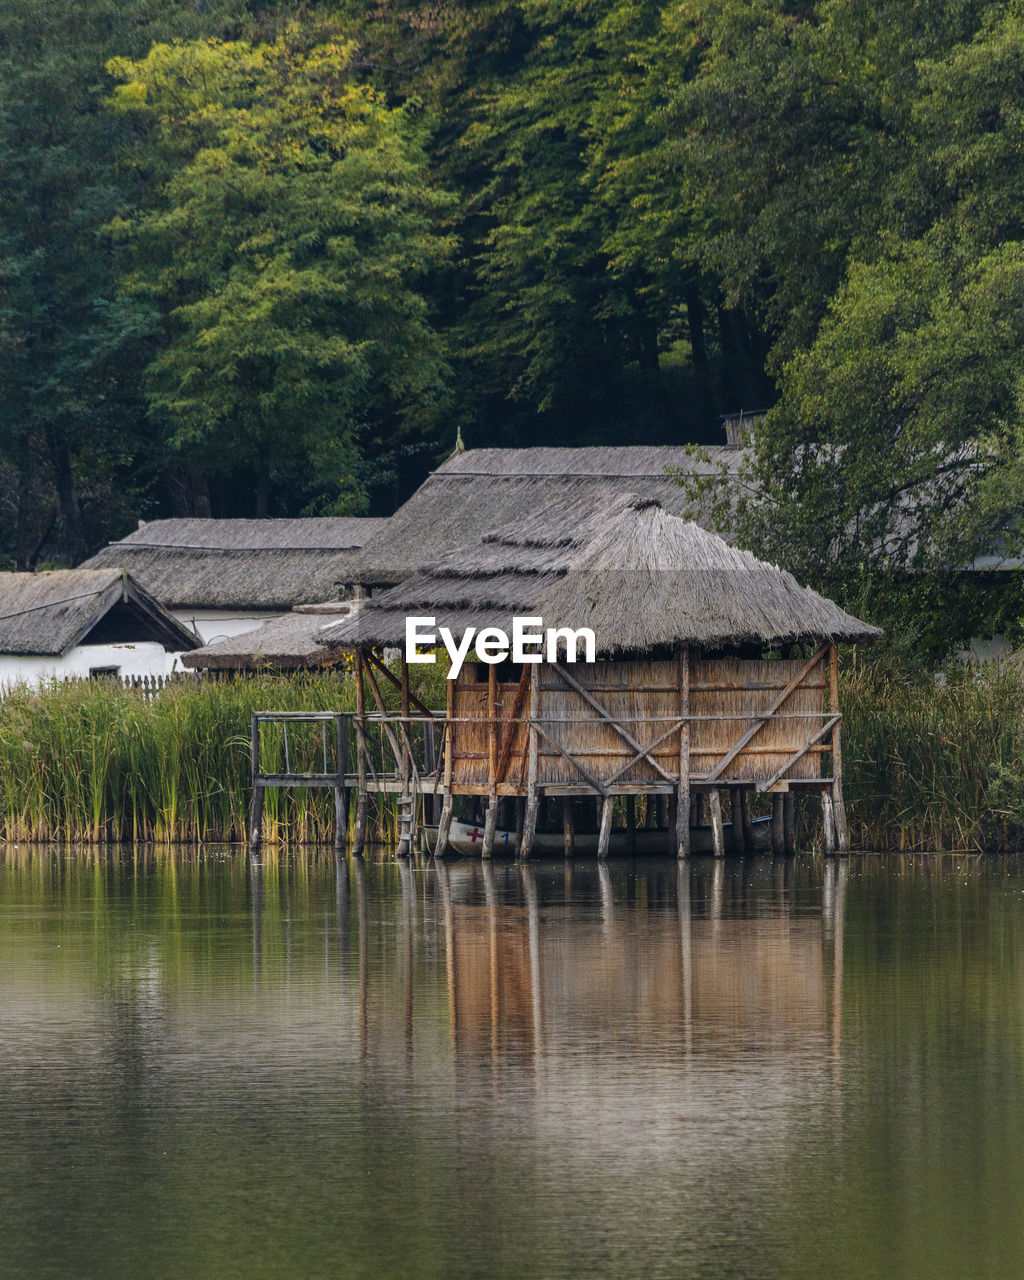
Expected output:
{"points": [[49, 613], [479, 490], [641, 578], [290, 642], [240, 564]]}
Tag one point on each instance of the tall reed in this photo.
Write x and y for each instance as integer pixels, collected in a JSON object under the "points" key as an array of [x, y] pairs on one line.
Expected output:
{"points": [[929, 764], [935, 762]]}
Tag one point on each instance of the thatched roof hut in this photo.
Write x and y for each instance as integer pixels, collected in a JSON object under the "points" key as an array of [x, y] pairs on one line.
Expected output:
{"points": [[482, 489], [288, 643], [640, 577], [47, 614], [240, 564]]}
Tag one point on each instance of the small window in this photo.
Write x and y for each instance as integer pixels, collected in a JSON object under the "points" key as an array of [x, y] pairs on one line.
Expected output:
{"points": [[104, 673]]}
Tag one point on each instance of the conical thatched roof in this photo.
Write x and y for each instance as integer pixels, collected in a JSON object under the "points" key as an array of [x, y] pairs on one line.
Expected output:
{"points": [[478, 490], [639, 577], [240, 564], [49, 613]]}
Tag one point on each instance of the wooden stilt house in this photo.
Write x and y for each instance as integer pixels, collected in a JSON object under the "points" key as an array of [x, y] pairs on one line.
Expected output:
{"points": [[714, 672]]}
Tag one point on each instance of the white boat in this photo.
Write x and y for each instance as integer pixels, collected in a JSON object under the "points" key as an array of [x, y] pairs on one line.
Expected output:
{"points": [[468, 838]]}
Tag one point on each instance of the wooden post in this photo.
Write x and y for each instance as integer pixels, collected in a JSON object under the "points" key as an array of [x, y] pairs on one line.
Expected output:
{"points": [[256, 807], [828, 823], [605, 833], [568, 827], [739, 834], [340, 789], [362, 799], [491, 818], [838, 807], [430, 770], [683, 785], [778, 827], [748, 826], [525, 845], [717, 833], [631, 823], [256, 818], [444, 823], [407, 804], [789, 822], [490, 826]]}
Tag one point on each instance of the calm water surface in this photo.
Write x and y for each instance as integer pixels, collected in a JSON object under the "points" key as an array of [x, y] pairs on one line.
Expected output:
{"points": [[752, 1069]]}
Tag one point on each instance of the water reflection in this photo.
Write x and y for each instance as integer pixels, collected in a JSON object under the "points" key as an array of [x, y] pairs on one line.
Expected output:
{"points": [[306, 1066]]}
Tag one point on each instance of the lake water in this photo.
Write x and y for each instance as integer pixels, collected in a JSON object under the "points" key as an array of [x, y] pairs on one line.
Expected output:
{"points": [[756, 1068]]}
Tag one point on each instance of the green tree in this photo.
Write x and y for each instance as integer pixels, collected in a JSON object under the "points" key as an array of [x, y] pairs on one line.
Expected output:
{"points": [[294, 225], [74, 452]]}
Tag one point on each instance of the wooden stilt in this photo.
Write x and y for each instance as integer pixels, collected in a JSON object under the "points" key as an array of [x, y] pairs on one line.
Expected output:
{"points": [[340, 789], [568, 827], [491, 817], [490, 825], [444, 822], [739, 835], [407, 806], [661, 813], [683, 784], [838, 807], [256, 817], [827, 823], [605, 834], [362, 800], [631, 823], [525, 845], [778, 827], [717, 832], [255, 832], [789, 822], [444, 826], [748, 826]]}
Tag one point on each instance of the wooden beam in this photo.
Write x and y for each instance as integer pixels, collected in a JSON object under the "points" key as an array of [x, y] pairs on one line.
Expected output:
{"points": [[778, 829], [388, 674], [739, 835], [340, 790], [799, 755], [597, 786]]}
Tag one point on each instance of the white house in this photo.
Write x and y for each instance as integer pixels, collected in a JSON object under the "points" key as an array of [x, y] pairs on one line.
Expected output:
{"points": [[84, 622]]}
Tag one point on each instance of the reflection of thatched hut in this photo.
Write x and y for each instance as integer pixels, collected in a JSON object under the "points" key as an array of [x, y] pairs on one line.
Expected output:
{"points": [[712, 667]]}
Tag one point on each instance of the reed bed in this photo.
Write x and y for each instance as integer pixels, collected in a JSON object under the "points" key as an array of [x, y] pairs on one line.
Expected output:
{"points": [[935, 763], [929, 764], [96, 762]]}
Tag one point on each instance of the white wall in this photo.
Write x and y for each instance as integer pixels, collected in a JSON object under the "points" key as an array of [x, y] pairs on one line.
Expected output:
{"points": [[217, 624], [143, 659]]}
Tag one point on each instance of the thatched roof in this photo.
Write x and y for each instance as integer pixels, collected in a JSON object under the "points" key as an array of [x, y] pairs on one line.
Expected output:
{"points": [[290, 642], [50, 613], [240, 564], [641, 578], [482, 489]]}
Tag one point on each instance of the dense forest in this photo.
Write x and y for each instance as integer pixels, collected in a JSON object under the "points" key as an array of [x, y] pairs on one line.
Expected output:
{"points": [[265, 259]]}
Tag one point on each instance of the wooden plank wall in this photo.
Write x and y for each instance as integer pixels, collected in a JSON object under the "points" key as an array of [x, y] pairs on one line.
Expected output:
{"points": [[644, 697]]}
